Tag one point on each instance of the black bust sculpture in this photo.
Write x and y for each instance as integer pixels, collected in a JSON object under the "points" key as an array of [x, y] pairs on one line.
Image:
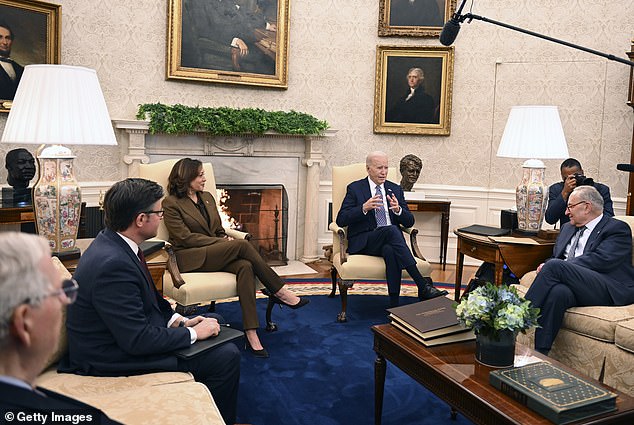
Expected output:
{"points": [[20, 166], [410, 167]]}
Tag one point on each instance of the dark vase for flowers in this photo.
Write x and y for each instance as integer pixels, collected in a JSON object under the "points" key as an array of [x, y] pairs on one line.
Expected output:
{"points": [[494, 352]]}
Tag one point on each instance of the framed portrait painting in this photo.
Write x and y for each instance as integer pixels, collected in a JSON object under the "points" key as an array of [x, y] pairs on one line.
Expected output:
{"points": [[413, 90], [228, 41], [415, 18], [29, 34]]}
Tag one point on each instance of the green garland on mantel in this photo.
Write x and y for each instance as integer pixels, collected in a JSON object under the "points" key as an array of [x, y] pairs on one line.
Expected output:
{"points": [[179, 119]]}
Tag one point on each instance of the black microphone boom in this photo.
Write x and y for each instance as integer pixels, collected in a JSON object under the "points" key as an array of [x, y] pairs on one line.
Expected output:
{"points": [[451, 28], [625, 167]]}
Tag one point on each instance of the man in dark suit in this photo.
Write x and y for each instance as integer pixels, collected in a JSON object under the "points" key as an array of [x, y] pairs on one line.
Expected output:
{"points": [[558, 193], [10, 71], [416, 106], [32, 296], [373, 209], [591, 265], [120, 324]]}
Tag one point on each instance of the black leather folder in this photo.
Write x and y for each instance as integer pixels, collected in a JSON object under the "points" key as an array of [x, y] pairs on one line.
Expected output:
{"points": [[478, 229], [226, 334]]}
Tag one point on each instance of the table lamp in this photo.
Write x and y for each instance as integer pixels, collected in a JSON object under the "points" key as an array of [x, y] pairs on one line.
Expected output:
{"points": [[55, 105], [533, 132]]}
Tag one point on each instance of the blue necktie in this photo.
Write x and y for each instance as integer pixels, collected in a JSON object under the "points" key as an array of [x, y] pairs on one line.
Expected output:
{"points": [[380, 212]]}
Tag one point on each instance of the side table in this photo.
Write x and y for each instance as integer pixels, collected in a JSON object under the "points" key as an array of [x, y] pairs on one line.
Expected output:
{"points": [[520, 258], [443, 207]]}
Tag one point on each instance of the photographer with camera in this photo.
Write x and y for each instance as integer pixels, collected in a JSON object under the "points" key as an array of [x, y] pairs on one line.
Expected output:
{"points": [[573, 176]]}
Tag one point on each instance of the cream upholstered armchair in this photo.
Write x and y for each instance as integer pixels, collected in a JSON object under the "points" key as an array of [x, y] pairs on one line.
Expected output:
{"points": [[192, 289], [348, 269]]}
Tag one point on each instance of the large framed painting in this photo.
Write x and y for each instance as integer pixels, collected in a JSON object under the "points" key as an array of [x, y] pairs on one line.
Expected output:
{"points": [[414, 18], [228, 41], [29, 34], [413, 90]]}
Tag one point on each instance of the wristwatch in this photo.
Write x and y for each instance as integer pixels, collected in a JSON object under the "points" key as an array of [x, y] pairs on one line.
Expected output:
{"points": [[181, 324]]}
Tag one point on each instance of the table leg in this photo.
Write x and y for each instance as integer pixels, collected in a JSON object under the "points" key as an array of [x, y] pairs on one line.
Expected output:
{"points": [[379, 384], [499, 272], [444, 238], [459, 266]]}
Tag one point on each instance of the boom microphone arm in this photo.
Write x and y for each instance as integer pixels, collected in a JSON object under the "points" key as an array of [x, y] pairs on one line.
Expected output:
{"points": [[470, 17]]}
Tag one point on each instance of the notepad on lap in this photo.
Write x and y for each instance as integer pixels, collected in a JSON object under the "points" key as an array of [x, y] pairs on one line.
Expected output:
{"points": [[226, 334]]}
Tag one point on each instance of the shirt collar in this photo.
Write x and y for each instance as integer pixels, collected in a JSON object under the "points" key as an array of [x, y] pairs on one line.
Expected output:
{"points": [[133, 245], [15, 382], [593, 223], [374, 185]]}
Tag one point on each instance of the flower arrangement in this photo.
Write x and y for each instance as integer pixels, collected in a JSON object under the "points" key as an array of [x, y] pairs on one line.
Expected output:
{"points": [[490, 309]]}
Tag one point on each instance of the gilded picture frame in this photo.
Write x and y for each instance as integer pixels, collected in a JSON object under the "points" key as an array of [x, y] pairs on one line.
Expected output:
{"points": [[419, 106], [34, 28], [232, 42], [414, 18]]}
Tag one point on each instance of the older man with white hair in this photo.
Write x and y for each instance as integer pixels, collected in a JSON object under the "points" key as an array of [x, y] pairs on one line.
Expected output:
{"points": [[32, 296], [591, 265]]}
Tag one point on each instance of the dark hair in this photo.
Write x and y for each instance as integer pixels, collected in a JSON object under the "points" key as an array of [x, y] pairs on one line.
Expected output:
{"points": [[182, 174], [418, 163], [569, 163], [4, 25], [126, 199]]}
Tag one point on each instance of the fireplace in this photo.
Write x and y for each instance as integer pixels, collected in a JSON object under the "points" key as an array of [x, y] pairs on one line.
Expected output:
{"points": [[262, 211]]}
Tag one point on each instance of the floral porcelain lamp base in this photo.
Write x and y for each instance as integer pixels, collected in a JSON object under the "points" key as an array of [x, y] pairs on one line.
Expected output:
{"points": [[496, 353], [531, 197]]}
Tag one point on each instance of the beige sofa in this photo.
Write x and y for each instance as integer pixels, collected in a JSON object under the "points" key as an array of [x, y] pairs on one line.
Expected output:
{"points": [[597, 341], [155, 398]]}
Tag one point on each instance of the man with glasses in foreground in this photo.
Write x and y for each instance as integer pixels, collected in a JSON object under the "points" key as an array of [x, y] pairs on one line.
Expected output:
{"points": [[32, 298], [591, 265], [120, 324]]}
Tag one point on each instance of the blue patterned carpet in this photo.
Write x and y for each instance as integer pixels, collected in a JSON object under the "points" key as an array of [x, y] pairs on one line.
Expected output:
{"points": [[322, 373]]}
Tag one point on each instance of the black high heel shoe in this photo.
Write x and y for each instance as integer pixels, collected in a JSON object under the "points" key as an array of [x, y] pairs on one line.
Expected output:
{"points": [[302, 302], [262, 354]]}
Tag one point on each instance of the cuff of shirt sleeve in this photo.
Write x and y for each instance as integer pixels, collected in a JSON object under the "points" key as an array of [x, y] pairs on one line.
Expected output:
{"points": [[193, 336], [174, 317]]}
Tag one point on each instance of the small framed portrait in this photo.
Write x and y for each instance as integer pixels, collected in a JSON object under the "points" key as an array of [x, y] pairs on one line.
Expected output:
{"points": [[414, 18], [228, 41], [413, 90], [29, 34]]}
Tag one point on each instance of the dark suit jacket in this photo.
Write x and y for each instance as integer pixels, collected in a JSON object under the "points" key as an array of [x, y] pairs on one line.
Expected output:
{"points": [[189, 232], [359, 224], [419, 109], [556, 210], [7, 85], [16, 399], [609, 252], [117, 326]]}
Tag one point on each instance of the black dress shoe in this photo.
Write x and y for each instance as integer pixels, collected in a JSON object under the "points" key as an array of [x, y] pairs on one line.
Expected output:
{"points": [[430, 292], [262, 354], [302, 302]]}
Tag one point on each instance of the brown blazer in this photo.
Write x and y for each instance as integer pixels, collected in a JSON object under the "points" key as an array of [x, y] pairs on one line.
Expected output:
{"points": [[189, 231]]}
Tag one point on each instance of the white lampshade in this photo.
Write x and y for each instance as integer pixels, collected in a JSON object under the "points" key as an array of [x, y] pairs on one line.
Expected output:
{"points": [[59, 104], [533, 132]]}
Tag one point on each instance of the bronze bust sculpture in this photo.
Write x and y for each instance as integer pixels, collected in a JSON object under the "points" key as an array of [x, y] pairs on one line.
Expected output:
{"points": [[20, 166], [410, 167]]}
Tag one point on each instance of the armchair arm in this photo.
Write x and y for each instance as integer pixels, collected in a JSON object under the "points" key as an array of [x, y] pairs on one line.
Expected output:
{"points": [[413, 233], [237, 234], [341, 235], [172, 266]]}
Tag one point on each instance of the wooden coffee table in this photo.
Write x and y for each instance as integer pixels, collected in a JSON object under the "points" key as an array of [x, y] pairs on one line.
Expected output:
{"points": [[451, 372]]}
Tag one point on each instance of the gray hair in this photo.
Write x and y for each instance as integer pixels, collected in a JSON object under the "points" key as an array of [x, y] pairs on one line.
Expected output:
{"points": [[419, 71], [372, 155], [590, 194], [21, 277]]}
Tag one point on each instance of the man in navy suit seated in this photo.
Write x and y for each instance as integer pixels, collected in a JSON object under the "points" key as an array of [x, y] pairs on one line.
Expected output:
{"points": [[572, 175], [373, 208], [32, 297], [120, 324], [591, 265]]}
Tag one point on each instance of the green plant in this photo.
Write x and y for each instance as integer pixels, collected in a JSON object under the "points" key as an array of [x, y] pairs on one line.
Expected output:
{"points": [[176, 119], [489, 309]]}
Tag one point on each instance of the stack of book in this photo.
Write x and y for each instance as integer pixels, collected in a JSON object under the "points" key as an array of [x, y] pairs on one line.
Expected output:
{"points": [[431, 322]]}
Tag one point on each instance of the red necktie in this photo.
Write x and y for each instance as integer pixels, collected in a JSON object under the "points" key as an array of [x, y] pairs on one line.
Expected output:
{"points": [[144, 264]]}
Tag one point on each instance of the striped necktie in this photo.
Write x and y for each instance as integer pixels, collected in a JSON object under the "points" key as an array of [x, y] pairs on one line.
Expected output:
{"points": [[575, 241], [381, 220]]}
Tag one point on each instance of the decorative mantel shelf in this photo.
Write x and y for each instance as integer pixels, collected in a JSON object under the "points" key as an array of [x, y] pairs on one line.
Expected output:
{"points": [[141, 147]]}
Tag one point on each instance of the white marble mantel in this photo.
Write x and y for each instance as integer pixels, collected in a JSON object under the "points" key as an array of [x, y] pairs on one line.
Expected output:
{"points": [[297, 158]]}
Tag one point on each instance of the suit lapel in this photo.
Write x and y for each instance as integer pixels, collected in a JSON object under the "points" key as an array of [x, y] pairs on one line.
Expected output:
{"points": [[188, 207], [594, 236]]}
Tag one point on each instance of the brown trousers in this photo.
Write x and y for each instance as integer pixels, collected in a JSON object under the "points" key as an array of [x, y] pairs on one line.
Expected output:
{"points": [[241, 258]]}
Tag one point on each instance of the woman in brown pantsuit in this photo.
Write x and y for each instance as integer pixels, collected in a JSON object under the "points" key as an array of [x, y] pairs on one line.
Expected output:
{"points": [[201, 244]]}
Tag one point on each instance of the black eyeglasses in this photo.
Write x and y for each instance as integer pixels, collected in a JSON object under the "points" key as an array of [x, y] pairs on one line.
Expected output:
{"points": [[157, 212], [69, 290], [571, 206]]}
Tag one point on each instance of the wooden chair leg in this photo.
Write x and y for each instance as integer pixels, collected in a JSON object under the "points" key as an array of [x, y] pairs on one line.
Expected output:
{"points": [[333, 278], [271, 326], [343, 290]]}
